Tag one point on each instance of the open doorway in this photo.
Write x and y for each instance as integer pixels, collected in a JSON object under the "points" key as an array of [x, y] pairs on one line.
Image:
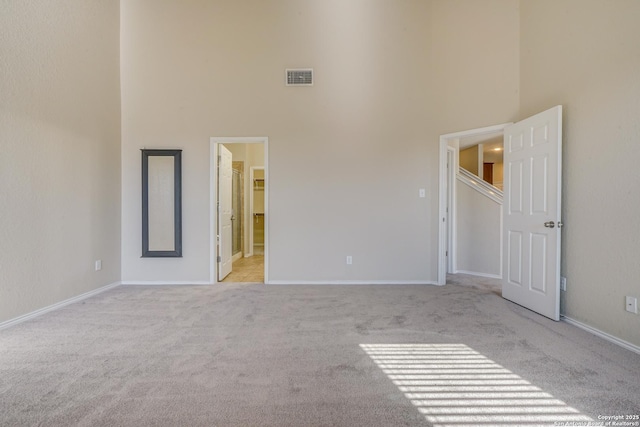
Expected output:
{"points": [[479, 226], [483, 158], [239, 210], [529, 241]]}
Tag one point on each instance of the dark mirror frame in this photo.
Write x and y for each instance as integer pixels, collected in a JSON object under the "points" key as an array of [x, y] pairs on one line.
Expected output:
{"points": [[177, 205]]}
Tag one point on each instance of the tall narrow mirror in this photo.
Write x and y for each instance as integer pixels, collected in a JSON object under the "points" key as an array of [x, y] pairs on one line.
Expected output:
{"points": [[161, 203]]}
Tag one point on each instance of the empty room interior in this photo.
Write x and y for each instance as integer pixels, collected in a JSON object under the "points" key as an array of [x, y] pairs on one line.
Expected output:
{"points": [[263, 213]]}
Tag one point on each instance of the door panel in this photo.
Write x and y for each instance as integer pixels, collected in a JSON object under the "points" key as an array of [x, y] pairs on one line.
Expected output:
{"points": [[539, 194], [538, 262], [225, 227], [515, 188], [514, 263], [532, 159]]}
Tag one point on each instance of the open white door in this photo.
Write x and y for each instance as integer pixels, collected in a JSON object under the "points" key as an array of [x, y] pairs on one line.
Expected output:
{"points": [[532, 193], [225, 182]]}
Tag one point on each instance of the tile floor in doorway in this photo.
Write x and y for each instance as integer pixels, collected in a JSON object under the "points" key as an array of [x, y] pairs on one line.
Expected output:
{"points": [[247, 270]]}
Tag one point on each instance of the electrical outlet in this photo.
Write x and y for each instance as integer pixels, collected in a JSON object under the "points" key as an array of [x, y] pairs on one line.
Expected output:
{"points": [[422, 193], [349, 260], [631, 304], [99, 265], [563, 283]]}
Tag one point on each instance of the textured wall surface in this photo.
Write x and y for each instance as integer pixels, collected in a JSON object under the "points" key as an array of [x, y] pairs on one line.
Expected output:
{"points": [[475, 53], [587, 59], [60, 151], [347, 155], [478, 232]]}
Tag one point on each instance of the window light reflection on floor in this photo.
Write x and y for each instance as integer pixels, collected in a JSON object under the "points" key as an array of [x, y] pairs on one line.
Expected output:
{"points": [[454, 385]]}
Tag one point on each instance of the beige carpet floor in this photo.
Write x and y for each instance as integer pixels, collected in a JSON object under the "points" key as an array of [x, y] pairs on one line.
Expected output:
{"points": [[255, 355]]}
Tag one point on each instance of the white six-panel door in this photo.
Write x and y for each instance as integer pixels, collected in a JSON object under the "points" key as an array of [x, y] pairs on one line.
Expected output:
{"points": [[532, 192], [225, 182]]}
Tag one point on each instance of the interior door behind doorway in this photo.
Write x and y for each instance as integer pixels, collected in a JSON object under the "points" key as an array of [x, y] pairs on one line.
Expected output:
{"points": [[225, 212]]}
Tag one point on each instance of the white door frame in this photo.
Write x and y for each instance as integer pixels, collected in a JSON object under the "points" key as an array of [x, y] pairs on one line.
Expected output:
{"points": [[450, 214], [213, 212], [251, 178], [443, 189]]}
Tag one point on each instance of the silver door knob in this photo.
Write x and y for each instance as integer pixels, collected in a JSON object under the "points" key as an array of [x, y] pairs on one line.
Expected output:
{"points": [[550, 224]]}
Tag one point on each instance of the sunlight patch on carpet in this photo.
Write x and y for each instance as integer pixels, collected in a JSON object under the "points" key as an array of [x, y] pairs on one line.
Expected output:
{"points": [[454, 385]]}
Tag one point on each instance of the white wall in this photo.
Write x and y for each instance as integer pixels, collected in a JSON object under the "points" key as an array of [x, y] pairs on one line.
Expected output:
{"points": [[238, 151], [348, 154], [390, 78], [60, 145], [337, 149], [469, 159], [478, 232], [476, 63], [587, 60]]}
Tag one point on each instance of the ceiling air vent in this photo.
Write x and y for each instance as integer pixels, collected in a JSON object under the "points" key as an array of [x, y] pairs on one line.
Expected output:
{"points": [[300, 77]]}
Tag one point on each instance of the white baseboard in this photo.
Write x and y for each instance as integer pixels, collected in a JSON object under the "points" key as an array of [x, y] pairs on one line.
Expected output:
{"points": [[603, 335], [474, 273], [351, 282], [40, 312], [164, 283]]}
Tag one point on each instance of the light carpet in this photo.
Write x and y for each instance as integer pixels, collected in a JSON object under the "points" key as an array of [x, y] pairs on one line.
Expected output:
{"points": [[256, 355]]}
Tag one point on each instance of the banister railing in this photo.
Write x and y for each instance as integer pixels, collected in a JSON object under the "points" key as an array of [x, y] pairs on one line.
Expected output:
{"points": [[473, 181]]}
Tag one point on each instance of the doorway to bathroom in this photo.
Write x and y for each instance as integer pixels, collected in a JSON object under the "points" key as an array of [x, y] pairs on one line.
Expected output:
{"points": [[239, 195]]}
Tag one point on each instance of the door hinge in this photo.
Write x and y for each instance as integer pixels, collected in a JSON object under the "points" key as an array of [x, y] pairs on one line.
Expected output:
{"points": [[219, 258]]}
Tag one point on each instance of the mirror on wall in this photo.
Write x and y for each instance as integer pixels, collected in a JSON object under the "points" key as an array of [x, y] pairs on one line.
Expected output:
{"points": [[161, 203]]}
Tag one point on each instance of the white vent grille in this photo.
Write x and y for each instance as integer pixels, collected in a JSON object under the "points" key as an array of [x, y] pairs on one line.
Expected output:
{"points": [[300, 77]]}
